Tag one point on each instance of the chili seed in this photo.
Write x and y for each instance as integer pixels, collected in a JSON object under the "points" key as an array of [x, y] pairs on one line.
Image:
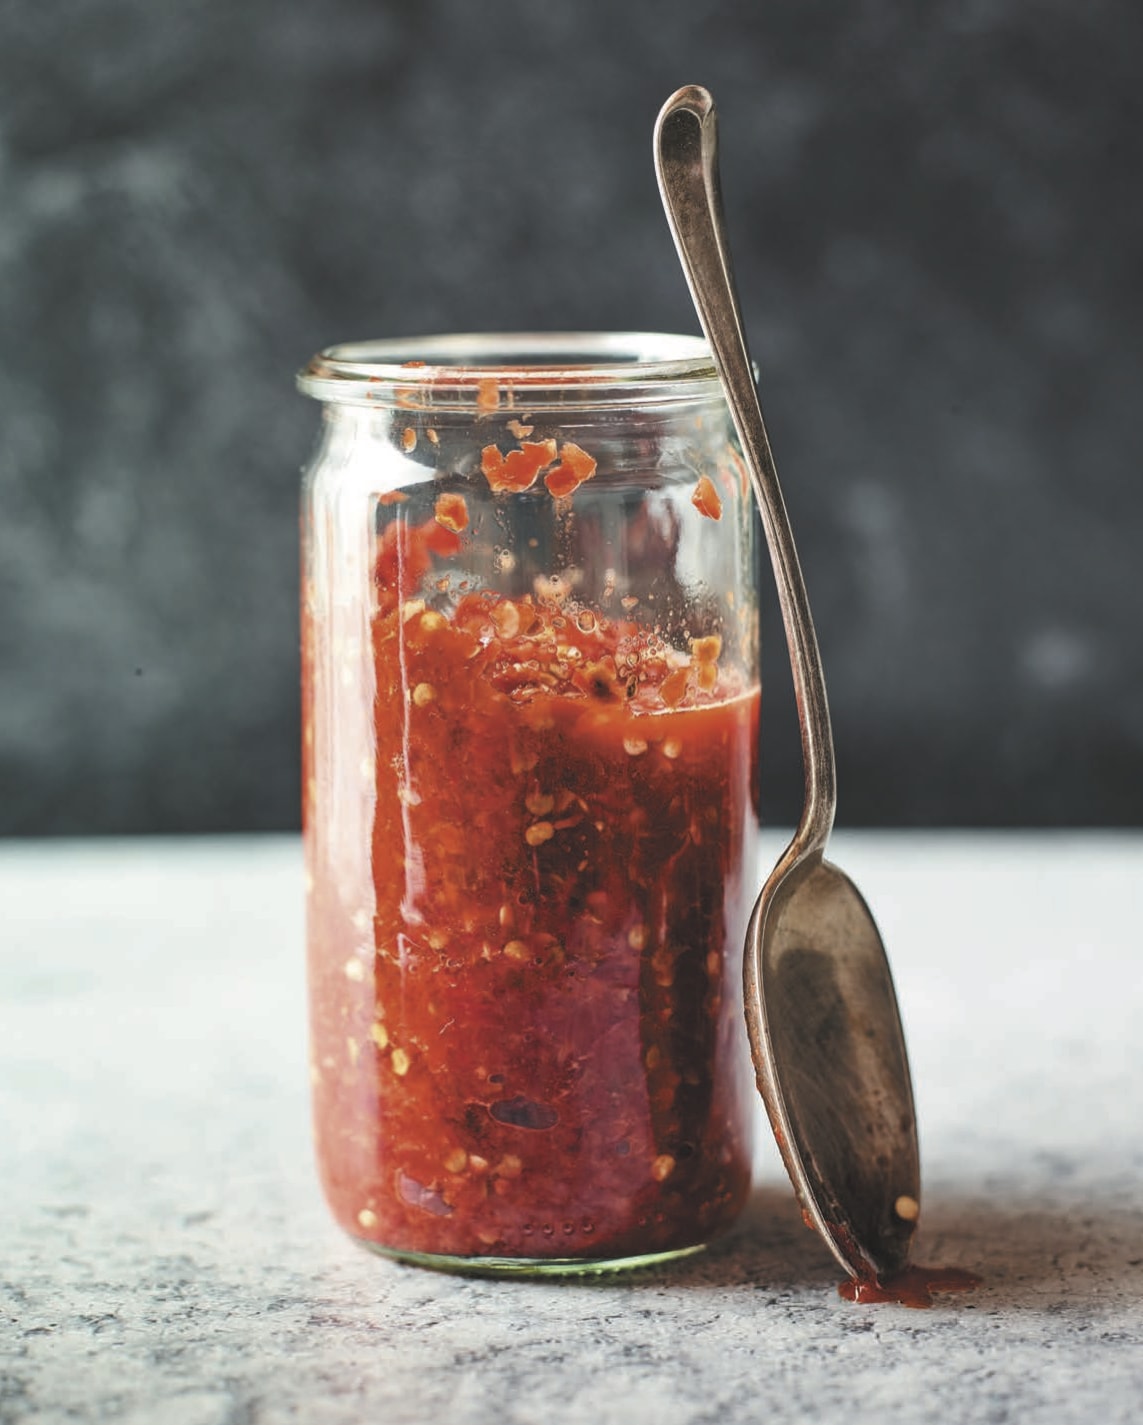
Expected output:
{"points": [[706, 650], [674, 687], [662, 1167]]}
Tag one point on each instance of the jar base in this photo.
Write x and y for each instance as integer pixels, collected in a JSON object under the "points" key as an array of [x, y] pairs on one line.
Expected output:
{"points": [[528, 1266]]}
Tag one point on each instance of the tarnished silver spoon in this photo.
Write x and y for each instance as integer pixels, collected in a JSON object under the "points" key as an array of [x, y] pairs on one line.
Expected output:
{"points": [[825, 1032]]}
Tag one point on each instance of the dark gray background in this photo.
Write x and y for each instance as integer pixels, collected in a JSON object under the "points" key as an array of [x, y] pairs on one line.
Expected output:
{"points": [[938, 219]]}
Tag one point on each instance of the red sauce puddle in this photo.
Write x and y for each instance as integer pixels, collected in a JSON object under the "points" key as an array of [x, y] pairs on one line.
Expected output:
{"points": [[912, 1287]]}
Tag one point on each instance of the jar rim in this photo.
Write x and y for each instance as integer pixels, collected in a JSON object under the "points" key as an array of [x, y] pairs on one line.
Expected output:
{"points": [[585, 369]]}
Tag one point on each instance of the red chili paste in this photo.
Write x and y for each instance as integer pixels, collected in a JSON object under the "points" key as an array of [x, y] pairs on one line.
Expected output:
{"points": [[527, 1016]]}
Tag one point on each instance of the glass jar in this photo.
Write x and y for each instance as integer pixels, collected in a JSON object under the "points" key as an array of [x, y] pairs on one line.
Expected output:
{"points": [[530, 692]]}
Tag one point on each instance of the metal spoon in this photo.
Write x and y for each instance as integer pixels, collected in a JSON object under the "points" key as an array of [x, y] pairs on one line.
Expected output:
{"points": [[825, 1033]]}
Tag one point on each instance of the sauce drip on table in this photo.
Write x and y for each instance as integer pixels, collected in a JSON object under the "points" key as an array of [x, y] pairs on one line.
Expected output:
{"points": [[912, 1287]]}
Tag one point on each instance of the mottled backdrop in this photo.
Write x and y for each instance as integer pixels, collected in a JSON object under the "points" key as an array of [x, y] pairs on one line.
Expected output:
{"points": [[938, 217]]}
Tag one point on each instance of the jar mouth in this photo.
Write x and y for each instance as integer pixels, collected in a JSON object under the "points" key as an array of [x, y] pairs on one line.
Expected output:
{"points": [[484, 372]]}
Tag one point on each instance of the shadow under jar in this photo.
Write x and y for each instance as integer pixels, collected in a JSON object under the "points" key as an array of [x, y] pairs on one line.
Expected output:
{"points": [[530, 701]]}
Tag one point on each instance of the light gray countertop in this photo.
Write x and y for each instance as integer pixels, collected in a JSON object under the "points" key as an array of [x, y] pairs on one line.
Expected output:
{"points": [[165, 1255]]}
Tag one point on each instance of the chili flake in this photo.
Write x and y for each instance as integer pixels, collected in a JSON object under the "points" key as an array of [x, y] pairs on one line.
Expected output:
{"points": [[451, 511], [574, 468], [517, 470], [705, 499]]}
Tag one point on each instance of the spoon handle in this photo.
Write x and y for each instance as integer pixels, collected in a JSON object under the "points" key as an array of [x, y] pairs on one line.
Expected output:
{"points": [[686, 164]]}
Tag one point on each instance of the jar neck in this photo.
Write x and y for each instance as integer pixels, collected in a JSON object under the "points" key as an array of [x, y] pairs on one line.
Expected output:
{"points": [[485, 374]]}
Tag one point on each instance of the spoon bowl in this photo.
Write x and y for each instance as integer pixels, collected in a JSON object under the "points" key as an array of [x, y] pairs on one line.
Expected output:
{"points": [[826, 1035], [825, 1032]]}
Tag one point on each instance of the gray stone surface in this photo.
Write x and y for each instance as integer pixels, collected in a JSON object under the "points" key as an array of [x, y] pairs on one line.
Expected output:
{"points": [[937, 219], [164, 1256]]}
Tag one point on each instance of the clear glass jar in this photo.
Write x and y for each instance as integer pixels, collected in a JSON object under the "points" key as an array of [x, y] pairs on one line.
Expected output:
{"points": [[530, 689]]}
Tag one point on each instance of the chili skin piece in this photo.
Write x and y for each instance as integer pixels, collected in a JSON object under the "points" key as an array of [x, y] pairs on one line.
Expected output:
{"points": [[706, 499], [538, 1051]]}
